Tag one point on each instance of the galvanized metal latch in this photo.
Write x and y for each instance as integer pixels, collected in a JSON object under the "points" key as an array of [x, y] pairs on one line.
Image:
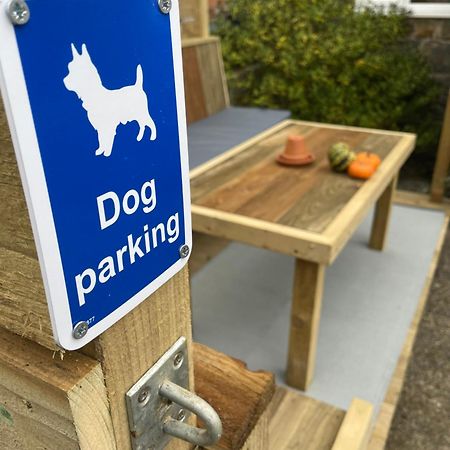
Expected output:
{"points": [[159, 403]]}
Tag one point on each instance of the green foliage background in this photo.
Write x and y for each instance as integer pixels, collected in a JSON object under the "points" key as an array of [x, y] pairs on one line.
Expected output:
{"points": [[323, 61]]}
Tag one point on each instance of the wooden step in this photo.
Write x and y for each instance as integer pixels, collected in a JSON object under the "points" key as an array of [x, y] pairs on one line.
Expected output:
{"points": [[303, 423], [51, 403], [239, 396]]}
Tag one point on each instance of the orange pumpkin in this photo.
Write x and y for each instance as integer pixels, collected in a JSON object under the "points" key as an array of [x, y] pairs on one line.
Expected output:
{"points": [[369, 158], [360, 169]]}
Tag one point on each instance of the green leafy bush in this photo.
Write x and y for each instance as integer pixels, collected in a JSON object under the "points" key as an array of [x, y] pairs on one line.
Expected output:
{"points": [[324, 61]]}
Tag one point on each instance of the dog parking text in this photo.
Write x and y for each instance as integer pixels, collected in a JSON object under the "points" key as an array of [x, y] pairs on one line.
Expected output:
{"points": [[110, 207]]}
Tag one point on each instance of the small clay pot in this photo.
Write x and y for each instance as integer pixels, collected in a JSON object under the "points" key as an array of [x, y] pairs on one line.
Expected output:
{"points": [[295, 152]]}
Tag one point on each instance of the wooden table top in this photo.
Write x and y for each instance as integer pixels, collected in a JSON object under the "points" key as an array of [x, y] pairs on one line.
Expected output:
{"points": [[310, 211]]}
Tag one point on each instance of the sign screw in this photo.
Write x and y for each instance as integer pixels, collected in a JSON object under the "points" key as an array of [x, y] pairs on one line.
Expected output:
{"points": [[143, 396], [80, 330], [18, 12], [184, 251], [165, 6]]}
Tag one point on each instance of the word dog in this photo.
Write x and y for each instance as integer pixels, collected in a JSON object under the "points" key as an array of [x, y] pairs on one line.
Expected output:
{"points": [[108, 108], [137, 245]]}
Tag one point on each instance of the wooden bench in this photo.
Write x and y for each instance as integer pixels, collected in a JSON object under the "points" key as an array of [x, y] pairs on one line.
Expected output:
{"points": [[213, 125], [290, 420], [254, 418]]}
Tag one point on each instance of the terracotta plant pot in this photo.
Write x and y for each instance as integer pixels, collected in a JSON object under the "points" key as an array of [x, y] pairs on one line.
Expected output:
{"points": [[295, 152]]}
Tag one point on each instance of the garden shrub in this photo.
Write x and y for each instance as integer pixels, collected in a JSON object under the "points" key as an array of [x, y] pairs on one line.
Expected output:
{"points": [[324, 61]]}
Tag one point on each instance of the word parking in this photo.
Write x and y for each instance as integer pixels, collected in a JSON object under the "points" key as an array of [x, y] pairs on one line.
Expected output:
{"points": [[110, 207]]}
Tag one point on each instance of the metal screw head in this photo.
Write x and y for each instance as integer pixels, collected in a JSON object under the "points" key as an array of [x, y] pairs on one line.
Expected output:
{"points": [[181, 415], [165, 6], [143, 396], [80, 330], [178, 360], [184, 251], [18, 12]]}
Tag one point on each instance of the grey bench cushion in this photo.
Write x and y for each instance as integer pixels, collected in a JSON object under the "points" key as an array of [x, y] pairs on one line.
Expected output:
{"points": [[218, 133]]}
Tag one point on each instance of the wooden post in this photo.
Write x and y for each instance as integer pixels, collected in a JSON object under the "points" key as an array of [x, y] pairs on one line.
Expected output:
{"points": [[305, 319], [381, 217], [194, 15], [128, 349], [442, 159]]}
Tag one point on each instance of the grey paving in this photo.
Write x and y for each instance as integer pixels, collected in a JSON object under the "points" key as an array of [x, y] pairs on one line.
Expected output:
{"points": [[241, 305]]}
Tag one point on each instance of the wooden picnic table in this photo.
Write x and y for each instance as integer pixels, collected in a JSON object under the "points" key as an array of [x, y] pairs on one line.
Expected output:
{"points": [[308, 212]]}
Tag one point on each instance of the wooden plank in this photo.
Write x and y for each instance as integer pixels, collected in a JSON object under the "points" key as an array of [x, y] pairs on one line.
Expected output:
{"points": [[388, 407], [193, 42], [131, 346], [204, 249], [442, 159], [299, 422], [317, 208], [219, 160], [349, 218], [194, 18], [213, 77], [259, 437], [355, 429], [305, 320], [417, 200], [54, 403], [244, 180], [381, 217], [23, 304], [204, 79], [193, 87], [224, 82], [279, 238], [238, 395], [247, 181]]}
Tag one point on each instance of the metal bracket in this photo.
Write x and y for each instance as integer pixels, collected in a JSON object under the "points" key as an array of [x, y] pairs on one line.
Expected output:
{"points": [[160, 402]]}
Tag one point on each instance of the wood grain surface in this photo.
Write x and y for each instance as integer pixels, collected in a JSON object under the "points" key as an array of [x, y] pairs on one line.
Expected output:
{"points": [[53, 403], [133, 345], [194, 18], [247, 182], [23, 305], [205, 86], [253, 184], [239, 396], [299, 422]]}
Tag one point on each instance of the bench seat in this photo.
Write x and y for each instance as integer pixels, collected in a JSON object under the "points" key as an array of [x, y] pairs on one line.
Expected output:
{"points": [[224, 130]]}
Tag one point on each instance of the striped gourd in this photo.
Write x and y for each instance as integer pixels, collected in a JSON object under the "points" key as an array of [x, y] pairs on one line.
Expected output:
{"points": [[340, 156]]}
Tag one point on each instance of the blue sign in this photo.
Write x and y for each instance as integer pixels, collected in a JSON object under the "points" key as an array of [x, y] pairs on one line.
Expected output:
{"points": [[94, 96]]}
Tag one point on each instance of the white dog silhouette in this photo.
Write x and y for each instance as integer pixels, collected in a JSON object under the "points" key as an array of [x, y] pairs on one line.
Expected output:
{"points": [[107, 108]]}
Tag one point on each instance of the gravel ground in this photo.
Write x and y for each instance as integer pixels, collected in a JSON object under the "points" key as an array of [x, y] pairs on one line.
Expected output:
{"points": [[422, 419]]}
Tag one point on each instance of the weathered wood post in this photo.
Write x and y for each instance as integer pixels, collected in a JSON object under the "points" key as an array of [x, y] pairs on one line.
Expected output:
{"points": [[442, 158], [52, 398]]}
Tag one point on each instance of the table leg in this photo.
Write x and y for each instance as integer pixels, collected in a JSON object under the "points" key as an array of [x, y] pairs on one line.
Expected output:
{"points": [[381, 218], [305, 319]]}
